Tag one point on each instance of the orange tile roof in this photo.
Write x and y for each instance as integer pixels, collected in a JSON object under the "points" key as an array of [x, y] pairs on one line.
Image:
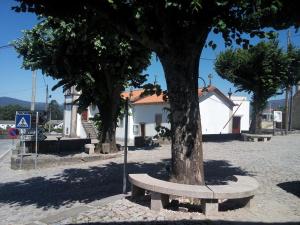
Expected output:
{"points": [[151, 99], [132, 95], [136, 99]]}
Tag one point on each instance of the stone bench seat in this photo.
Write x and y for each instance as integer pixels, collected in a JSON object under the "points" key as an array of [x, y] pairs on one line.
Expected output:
{"points": [[242, 188], [257, 137]]}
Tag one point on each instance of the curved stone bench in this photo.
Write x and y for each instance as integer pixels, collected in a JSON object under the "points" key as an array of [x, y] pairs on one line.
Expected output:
{"points": [[243, 188], [257, 137]]}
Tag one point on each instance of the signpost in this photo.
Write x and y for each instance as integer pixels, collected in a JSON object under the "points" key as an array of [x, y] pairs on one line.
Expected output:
{"points": [[13, 134], [277, 118], [23, 122]]}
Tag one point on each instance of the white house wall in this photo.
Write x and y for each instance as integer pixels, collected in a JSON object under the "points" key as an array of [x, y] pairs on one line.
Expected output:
{"points": [[214, 115], [243, 111], [120, 131], [143, 114], [80, 132], [146, 114], [67, 120]]}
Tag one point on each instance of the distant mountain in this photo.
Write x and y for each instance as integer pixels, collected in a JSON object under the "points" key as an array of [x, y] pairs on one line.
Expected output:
{"points": [[276, 104], [13, 101]]}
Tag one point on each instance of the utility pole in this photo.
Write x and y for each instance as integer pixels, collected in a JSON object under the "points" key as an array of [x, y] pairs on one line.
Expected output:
{"points": [[47, 97], [32, 108], [291, 88]]}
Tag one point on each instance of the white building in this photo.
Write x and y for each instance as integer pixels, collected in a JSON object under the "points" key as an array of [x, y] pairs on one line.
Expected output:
{"points": [[219, 114], [72, 126], [5, 124]]}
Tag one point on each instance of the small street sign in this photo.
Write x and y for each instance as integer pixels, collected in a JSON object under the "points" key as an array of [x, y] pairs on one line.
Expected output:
{"points": [[23, 121], [13, 133], [277, 116]]}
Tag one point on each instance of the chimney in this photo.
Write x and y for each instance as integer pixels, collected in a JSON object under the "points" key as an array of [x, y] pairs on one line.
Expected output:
{"points": [[229, 93]]}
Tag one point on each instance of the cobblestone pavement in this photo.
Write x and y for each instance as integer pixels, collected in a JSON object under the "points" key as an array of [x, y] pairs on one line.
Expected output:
{"points": [[74, 194]]}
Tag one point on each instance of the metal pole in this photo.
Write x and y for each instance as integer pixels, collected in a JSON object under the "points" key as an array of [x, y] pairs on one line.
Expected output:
{"points": [[22, 150], [49, 118], [125, 147], [33, 91], [47, 97], [36, 138]]}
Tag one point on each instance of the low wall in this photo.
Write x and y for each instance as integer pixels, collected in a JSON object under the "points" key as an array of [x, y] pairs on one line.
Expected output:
{"points": [[220, 137], [55, 146], [46, 161]]}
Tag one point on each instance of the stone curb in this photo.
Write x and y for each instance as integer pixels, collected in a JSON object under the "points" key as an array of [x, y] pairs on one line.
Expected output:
{"points": [[53, 219], [4, 154], [28, 161]]}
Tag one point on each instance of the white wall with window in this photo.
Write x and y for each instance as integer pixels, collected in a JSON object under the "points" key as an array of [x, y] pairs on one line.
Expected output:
{"points": [[215, 114], [150, 115], [242, 109]]}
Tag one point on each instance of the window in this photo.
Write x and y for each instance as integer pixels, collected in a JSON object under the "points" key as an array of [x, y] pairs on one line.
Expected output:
{"points": [[135, 129], [121, 122], [158, 119]]}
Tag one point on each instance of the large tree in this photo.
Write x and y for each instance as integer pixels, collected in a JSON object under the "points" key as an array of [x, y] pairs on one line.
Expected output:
{"points": [[259, 70], [56, 110], [292, 79], [177, 31], [100, 63]]}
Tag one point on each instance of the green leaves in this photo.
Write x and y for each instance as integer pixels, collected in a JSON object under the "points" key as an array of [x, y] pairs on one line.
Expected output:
{"points": [[261, 69]]}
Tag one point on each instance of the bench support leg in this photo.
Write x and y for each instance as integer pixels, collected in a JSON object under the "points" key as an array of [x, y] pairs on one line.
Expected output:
{"points": [[210, 206], [246, 202], [255, 139], [158, 201], [136, 191]]}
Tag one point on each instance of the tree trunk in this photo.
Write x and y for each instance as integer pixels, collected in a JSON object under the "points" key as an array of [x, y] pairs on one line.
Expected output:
{"points": [[257, 107], [108, 114], [181, 72]]}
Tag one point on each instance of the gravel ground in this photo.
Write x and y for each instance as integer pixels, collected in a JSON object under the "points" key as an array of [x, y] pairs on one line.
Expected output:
{"points": [[27, 196]]}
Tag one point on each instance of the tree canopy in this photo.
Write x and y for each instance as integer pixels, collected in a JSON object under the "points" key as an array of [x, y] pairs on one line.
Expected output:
{"points": [[260, 70], [8, 112], [56, 110], [177, 31], [100, 63]]}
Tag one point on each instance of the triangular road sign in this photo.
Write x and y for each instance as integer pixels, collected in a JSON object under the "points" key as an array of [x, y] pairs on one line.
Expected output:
{"points": [[23, 123]]}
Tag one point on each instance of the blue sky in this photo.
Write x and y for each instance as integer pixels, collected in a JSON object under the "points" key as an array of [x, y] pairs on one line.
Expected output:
{"points": [[16, 82]]}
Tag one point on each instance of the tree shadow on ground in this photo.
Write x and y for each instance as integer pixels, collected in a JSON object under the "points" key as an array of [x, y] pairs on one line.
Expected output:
{"points": [[72, 185], [148, 147], [189, 222], [95, 183], [221, 171], [292, 187]]}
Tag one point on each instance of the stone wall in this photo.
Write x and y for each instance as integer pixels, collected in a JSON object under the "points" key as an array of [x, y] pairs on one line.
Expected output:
{"points": [[60, 147], [296, 111]]}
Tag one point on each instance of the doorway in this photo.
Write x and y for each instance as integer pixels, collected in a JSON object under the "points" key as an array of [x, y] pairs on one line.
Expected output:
{"points": [[84, 115], [143, 133], [236, 125]]}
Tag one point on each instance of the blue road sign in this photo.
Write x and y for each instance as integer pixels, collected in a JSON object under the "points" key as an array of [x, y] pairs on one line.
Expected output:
{"points": [[13, 132], [23, 121]]}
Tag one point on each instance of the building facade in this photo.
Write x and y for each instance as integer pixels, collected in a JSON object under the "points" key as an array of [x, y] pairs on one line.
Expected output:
{"points": [[219, 114]]}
